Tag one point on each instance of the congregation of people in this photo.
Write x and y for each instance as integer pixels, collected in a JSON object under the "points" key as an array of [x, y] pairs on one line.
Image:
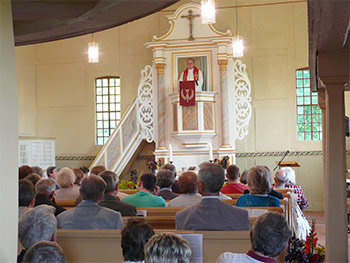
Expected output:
{"points": [[100, 205]]}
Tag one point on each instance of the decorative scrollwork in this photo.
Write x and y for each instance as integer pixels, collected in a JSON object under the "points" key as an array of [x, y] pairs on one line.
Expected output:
{"points": [[243, 107], [145, 104]]}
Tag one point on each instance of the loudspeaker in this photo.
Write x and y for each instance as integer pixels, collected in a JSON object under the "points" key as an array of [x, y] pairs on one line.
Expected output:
{"points": [[347, 131]]}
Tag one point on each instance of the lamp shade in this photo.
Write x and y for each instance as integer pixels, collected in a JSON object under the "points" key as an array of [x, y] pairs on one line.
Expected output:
{"points": [[93, 52]]}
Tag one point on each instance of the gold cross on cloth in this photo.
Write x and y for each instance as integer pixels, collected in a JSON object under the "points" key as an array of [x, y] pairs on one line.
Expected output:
{"points": [[190, 17]]}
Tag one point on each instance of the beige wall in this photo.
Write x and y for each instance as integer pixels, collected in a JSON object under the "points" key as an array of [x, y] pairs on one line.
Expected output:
{"points": [[56, 91]]}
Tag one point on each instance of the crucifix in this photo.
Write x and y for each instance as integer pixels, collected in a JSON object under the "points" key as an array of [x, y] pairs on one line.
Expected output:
{"points": [[190, 17]]}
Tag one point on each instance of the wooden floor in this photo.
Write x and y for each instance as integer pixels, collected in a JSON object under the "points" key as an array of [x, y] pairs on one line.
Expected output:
{"points": [[321, 227]]}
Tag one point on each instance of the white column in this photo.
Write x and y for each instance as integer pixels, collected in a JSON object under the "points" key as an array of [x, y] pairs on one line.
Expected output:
{"points": [[225, 128], [335, 193], [8, 138], [333, 74], [161, 100]]}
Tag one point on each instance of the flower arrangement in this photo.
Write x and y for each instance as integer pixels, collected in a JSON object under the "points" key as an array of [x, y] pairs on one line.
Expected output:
{"points": [[152, 164], [224, 162], [132, 182], [310, 251], [127, 184]]}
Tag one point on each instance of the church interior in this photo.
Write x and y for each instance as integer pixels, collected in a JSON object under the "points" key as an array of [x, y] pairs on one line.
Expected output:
{"points": [[294, 75]]}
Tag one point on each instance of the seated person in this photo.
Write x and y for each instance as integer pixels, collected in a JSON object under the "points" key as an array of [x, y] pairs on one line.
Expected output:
{"points": [[233, 186], [23, 171], [188, 185], [85, 171], [45, 252], [167, 248], [36, 225], [45, 191], [135, 234], [268, 237], [89, 215], [110, 199], [144, 196], [272, 192], [37, 170], [51, 174], [97, 169], [65, 179], [243, 178], [211, 213], [259, 186], [79, 176], [175, 186], [26, 194], [165, 179], [282, 181], [34, 178]]}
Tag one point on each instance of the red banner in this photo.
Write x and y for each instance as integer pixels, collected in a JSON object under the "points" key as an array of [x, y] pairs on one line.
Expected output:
{"points": [[187, 93]]}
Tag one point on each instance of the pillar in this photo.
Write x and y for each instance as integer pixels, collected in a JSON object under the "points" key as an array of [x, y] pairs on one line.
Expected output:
{"points": [[333, 74], [8, 138], [161, 100], [225, 129], [335, 186]]}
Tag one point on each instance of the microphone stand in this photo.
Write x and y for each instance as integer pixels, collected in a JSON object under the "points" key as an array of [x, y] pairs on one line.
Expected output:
{"points": [[279, 163]]}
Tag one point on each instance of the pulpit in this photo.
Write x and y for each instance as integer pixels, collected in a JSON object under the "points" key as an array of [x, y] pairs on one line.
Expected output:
{"points": [[194, 126]]}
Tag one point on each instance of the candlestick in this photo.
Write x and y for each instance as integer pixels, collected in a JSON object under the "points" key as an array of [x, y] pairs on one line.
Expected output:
{"points": [[211, 152], [171, 160]]}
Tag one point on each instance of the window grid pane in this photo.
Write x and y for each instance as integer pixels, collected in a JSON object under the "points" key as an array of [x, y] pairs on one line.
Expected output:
{"points": [[309, 118], [108, 107]]}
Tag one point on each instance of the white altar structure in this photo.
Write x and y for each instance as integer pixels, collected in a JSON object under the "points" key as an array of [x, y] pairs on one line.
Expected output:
{"points": [[186, 136], [222, 111]]}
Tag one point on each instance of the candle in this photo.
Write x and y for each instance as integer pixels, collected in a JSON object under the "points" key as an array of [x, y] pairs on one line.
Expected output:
{"points": [[170, 153], [210, 152]]}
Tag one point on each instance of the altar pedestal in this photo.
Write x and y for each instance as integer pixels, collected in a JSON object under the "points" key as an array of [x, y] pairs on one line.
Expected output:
{"points": [[194, 126]]}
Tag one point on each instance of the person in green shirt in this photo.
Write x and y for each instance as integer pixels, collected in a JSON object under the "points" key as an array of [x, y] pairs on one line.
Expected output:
{"points": [[144, 196]]}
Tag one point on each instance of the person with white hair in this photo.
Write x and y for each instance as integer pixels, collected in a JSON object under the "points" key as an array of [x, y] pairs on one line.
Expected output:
{"points": [[45, 191], [36, 225], [211, 213], [290, 174], [268, 237], [110, 199], [167, 248], [65, 179], [282, 181], [45, 252]]}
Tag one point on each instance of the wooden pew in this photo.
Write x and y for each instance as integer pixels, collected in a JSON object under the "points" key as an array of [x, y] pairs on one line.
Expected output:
{"points": [[67, 204], [168, 222], [171, 211], [230, 202], [234, 196], [128, 191], [157, 222], [105, 245], [282, 190]]}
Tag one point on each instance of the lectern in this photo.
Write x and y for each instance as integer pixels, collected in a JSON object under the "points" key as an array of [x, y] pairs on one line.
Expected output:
{"points": [[289, 164]]}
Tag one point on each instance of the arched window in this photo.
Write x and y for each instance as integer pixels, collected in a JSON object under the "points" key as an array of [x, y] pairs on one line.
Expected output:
{"points": [[309, 116], [107, 90]]}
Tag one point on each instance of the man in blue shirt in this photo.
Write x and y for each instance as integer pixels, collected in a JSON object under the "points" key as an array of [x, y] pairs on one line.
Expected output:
{"points": [[144, 196]]}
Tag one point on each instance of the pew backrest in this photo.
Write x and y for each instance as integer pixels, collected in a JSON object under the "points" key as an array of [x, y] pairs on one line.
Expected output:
{"points": [[67, 204], [105, 245]]}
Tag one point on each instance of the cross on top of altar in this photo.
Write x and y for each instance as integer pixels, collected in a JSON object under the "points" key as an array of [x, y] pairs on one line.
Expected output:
{"points": [[190, 17]]}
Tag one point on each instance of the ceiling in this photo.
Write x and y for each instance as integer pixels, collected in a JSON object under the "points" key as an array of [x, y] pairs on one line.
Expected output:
{"points": [[37, 21]]}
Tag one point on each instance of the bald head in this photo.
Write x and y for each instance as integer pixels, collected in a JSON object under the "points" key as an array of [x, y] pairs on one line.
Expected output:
{"points": [[281, 177]]}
